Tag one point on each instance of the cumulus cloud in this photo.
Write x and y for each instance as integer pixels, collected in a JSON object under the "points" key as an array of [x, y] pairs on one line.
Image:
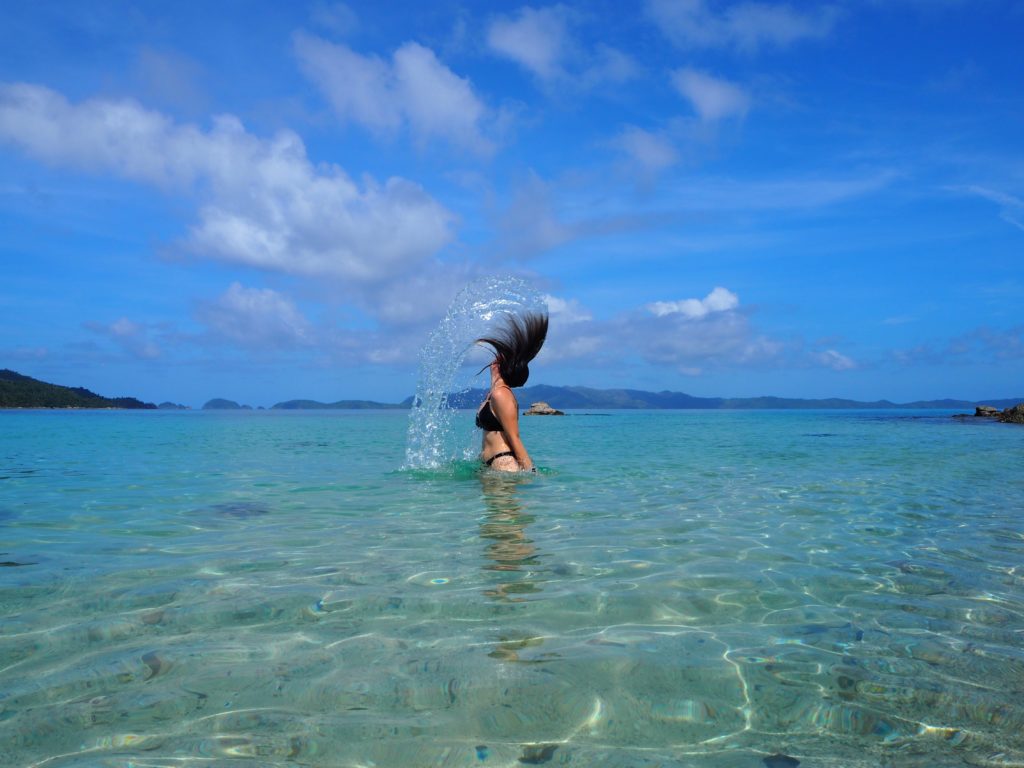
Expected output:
{"points": [[694, 334], [265, 204], [689, 336], [719, 300], [712, 98], [745, 26], [255, 317], [541, 41], [412, 89], [718, 339]]}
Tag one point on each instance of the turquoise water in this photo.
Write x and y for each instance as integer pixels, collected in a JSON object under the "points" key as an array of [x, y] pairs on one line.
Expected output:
{"points": [[672, 589]]}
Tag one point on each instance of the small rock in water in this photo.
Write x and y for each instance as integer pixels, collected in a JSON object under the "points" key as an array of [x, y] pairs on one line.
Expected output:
{"points": [[781, 761], [1013, 415], [541, 408]]}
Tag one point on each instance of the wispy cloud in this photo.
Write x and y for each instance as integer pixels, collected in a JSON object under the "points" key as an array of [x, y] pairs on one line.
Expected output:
{"points": [[132, 337], [536, 39], [793, 193], [338, 18], [1011, 207], [648, 152], [712, 98], [412, 89], [264, 204], [530, 224], [837, 361], [977, 346], [746, 27]]}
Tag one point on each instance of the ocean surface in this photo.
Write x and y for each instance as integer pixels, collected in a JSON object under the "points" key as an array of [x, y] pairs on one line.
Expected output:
{"points": [[673, 588]]}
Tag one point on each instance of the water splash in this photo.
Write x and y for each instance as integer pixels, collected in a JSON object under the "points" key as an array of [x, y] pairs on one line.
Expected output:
{"points": [[472, 313]]}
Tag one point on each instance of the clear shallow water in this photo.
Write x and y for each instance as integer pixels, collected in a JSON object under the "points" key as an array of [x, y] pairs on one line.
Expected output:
{"points": [[674, 589]]}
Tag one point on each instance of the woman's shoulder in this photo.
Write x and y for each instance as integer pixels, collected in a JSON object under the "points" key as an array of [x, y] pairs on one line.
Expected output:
{"points": [[503, 393]]}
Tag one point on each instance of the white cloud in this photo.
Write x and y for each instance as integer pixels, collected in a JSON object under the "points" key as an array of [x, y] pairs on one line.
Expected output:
{"points": [[691, 341], [689, 336], [541, 41], [650, 152], [265, 204], [745, 26], [536, 39], [713, 98], [568, 311], [255, 317], [719, 300], [413, 89]]}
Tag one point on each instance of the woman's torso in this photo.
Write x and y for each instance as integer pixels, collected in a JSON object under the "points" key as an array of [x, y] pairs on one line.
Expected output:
{"points": [[493, 438]]}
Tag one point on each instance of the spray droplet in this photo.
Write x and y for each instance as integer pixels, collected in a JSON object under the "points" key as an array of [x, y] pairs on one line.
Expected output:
{"points": [[432, 442]]}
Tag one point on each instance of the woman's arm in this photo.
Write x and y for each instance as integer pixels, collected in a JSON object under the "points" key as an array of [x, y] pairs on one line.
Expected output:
{"points": [[506, 409]]}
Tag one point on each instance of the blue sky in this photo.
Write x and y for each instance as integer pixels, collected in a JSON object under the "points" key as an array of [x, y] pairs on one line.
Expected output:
{"points": [[266, 201]]}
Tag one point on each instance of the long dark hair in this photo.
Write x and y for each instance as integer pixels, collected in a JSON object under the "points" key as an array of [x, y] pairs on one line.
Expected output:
{"points": [[516, 342]]}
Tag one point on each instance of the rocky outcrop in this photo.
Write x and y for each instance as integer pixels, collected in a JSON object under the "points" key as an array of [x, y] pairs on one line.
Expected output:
{"points": [[1013, 415], [541, 408]]}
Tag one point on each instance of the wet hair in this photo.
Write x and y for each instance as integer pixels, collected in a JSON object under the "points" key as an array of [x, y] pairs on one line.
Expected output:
{"points": [[516, 342]]}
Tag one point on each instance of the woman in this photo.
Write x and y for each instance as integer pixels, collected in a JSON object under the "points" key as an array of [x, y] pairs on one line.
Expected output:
{"points": [[515, 345]]}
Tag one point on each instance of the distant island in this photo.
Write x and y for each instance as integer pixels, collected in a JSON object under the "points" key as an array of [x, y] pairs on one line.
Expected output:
{"points": [[221, 404], [18, 391], [637, 399], [169, 406]]}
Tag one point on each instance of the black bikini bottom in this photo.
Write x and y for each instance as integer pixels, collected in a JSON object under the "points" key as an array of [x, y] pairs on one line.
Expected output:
{"points": [[498, 456]]}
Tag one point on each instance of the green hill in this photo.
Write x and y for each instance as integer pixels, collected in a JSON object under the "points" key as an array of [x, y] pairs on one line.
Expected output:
{"points": [[18, 391]]}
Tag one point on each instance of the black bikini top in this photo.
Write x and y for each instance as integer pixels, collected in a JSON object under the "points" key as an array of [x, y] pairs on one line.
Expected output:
{"points": [[485, 418]]}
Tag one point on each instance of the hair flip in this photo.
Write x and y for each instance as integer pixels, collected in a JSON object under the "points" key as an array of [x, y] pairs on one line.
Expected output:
{"points": [[516, 342]]}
